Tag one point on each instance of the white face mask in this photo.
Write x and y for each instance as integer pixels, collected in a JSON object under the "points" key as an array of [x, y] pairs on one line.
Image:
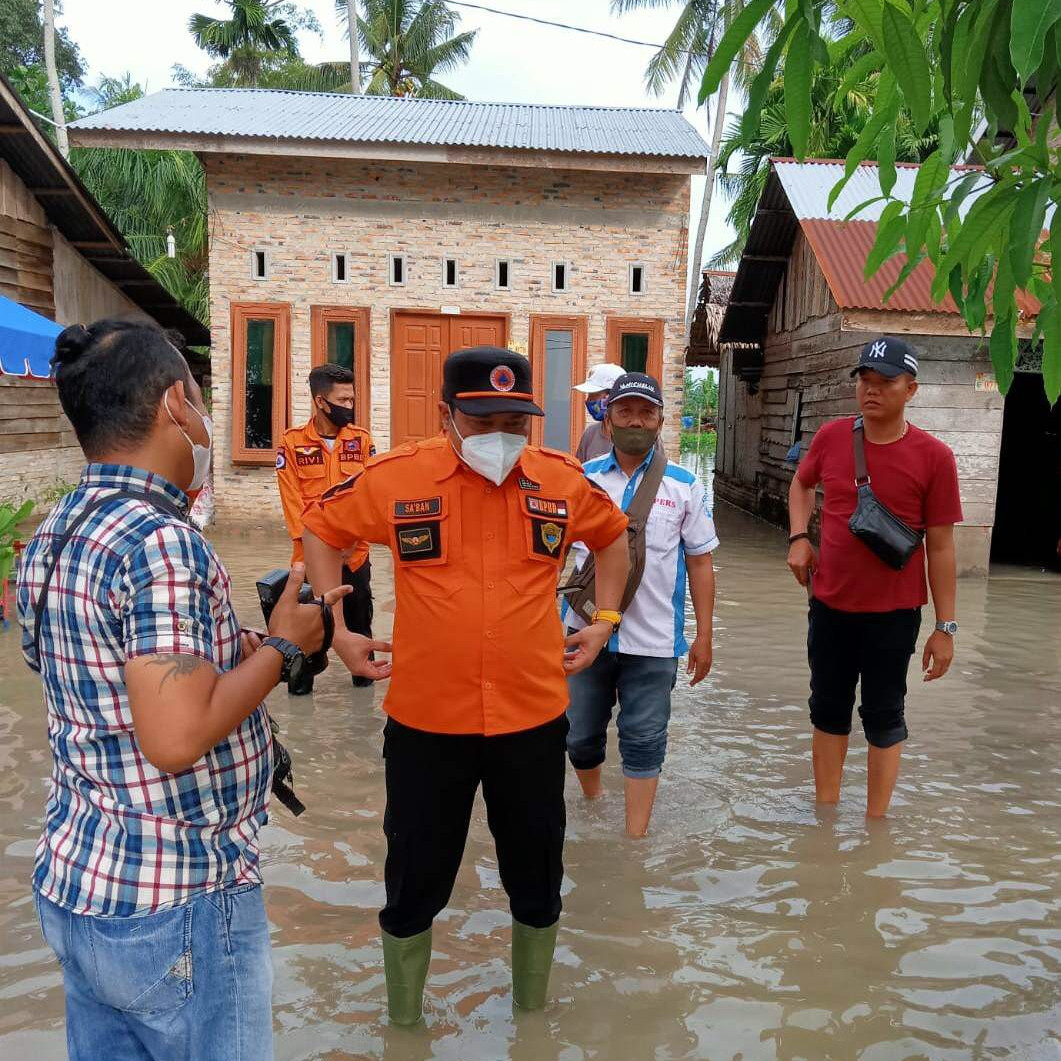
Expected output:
{"points": [[200, 454], [493, 455]]}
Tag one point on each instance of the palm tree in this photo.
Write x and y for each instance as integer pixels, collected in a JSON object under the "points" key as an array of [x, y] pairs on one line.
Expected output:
{"points": [[257, 29], [684, 57], [54, 93], [355, 62], [408, 42], [147, 194], [835, 126]]}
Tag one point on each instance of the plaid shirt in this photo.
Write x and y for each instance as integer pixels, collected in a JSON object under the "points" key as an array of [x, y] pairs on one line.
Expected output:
{"points": [[120, 837]]}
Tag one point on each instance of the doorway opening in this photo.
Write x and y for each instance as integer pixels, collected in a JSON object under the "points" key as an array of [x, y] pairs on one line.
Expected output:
{"points": [[1028, 504]]}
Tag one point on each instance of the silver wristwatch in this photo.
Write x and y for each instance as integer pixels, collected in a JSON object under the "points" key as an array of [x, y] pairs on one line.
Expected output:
{"points": [[949, 626]]}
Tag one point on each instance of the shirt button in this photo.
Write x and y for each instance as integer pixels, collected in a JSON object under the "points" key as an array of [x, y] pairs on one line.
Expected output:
{"points": [[182, 625], [490, 633], [489, 535], [488, 685], [488, 490], [489, 585]]}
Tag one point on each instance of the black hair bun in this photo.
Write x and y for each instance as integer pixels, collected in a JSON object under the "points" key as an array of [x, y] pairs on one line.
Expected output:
{"points": [[70, 344]]}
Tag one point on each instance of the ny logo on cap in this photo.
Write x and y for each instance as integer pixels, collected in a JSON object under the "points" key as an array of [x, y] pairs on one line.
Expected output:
{"points": [[878, 349]]}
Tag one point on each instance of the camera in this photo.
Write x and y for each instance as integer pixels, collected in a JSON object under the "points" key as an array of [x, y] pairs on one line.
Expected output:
{"points": [[271, 586]]}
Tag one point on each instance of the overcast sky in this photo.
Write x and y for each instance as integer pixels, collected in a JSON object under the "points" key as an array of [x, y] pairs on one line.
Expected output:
{"points": [[511, 61]]}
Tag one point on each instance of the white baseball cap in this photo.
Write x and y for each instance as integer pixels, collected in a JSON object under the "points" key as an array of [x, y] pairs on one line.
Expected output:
{"points": [[601, 378]]}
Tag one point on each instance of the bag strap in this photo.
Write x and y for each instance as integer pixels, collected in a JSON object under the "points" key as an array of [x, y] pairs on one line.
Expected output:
{"points": [[858, 434], [641, 503], [96, 503]]}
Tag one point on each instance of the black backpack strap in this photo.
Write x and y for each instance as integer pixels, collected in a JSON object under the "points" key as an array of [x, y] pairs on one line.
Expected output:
{"points": [[858, 434], [96, 503]]}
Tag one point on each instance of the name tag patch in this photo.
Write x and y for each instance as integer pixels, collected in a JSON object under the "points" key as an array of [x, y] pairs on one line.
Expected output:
{"points": [[306, 456], [423, 506], [420, 542], [547, 536], [529, 484], [547, 506]]}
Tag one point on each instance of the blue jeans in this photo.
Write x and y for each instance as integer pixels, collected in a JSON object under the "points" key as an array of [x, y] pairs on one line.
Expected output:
{"points": [[642, 686], [193, 983]]}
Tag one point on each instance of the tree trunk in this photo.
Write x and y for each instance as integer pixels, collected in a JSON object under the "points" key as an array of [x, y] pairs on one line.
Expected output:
{"points": [[355, 63], [53, 78], [705, 207]]}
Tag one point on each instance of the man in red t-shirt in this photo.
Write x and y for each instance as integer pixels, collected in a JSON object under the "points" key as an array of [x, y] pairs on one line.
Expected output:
{"points": [[864, 614]]}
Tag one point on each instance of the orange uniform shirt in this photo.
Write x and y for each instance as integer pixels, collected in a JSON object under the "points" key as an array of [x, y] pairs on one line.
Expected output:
{"points": [[305, 468], [478, 642]]}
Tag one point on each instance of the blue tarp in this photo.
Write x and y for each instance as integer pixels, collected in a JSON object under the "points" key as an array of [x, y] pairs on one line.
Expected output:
{"points": [[27, 341]]}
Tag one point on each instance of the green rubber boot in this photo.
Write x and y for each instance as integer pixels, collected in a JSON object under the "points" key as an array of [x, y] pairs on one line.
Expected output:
{"points": [[405, 963], [532, 958]]}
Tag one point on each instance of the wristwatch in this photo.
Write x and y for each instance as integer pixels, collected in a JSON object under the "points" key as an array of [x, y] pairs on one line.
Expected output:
{"points": [[602, 615], [948, 626], [294, 658]]}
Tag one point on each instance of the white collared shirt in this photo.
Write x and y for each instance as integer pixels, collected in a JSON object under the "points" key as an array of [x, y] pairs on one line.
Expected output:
{"points": [[679, 525]]}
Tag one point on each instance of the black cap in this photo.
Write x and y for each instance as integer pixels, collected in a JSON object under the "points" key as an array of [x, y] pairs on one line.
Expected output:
{"points": [[488, 379], [888, 356], [636, 385]]}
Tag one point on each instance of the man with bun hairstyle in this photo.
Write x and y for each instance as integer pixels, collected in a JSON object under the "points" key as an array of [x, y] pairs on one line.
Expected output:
{"points": [[478, 523], [147, 878]]}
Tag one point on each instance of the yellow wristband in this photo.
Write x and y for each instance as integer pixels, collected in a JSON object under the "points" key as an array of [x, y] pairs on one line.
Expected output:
{"points": [[602, 616]]}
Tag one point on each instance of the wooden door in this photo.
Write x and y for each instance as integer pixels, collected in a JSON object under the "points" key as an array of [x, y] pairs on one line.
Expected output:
{"points": [[420, 342], [558, 362]]}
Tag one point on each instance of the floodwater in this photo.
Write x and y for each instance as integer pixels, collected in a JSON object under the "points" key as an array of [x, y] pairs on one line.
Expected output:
{"points": [[746, 927]]}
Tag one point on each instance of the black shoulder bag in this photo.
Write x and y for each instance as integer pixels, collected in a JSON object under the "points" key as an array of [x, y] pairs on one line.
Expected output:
{"points": [[581, 591], [887, 536], [281, 757]]}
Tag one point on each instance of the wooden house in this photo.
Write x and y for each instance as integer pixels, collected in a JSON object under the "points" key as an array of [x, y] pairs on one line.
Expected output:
{"points": [[60, 256], [799, 311]]}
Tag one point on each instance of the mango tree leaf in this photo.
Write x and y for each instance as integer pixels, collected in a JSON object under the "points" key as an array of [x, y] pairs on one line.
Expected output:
{"points": [[1003, 349], [752, 118], [988, 216], [1026, 228], [1051, 328], [867, 15], [738, 31], [886, 158], [1029, 22], [798, 65], [890, 229], [904, 274], [859, 71], [997, 80], [969, 62], [886, 110], [908, 61]]}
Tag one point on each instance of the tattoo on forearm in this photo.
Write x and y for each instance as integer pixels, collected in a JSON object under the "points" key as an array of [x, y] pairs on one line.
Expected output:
{"points": [[176, 665]]}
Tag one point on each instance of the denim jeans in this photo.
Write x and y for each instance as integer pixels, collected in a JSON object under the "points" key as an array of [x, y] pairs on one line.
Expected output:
{"points": [[642, 686], [193, 983]]}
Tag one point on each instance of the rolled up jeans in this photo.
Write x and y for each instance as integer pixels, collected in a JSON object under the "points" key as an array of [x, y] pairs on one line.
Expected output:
{"points": [[192, 981]]}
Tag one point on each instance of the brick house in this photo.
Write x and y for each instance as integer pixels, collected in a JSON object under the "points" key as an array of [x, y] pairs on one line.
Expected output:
{"points": [[384, 233]]}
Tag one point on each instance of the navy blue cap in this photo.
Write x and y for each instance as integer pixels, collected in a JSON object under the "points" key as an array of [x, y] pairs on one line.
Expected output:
{"points": [[888, 356], [636, 385]]}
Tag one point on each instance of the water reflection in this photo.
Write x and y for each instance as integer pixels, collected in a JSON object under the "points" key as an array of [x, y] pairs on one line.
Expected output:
{"points": [[745, 926]]}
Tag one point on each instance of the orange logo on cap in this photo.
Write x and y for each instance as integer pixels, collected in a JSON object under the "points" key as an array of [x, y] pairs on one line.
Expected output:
{"points": [[502, 378]]}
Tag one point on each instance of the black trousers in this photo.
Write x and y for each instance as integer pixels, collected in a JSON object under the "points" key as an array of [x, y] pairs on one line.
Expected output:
{"points": [[431, 783], [357, 614], [844, 647]]}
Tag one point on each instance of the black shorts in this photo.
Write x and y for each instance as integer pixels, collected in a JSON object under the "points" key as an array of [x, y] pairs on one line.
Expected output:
{"points": [[844, 647]]}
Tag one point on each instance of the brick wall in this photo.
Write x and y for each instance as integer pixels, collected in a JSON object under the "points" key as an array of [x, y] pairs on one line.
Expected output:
{"points": [[302, 210]]}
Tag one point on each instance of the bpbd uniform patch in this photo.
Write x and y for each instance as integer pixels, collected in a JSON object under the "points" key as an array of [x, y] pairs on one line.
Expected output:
{"points": [[419, 541], [547, 536], [352, 450], [307, 456], [423, 506]]}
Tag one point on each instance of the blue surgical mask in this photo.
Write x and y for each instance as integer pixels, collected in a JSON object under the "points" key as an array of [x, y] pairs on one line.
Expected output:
{"points": [[595, 407]]}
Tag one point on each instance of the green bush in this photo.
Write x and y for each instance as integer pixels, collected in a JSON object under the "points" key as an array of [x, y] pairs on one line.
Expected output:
{"points": [[10, 518]]}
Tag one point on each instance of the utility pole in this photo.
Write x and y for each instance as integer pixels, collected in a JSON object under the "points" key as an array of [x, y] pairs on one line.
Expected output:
{"points": [[355, 64], [53, 78]]}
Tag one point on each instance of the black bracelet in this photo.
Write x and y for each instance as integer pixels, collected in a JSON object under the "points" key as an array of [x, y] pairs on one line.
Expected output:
{"points": [[796, 537]]}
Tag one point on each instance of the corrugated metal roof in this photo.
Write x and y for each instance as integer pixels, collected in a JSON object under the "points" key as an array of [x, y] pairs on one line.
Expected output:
{"points": [[807, 186], [320, 116], [841, 249]]}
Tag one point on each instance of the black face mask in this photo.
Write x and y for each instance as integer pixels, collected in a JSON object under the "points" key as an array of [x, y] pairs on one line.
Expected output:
{"points": [[338, 414]]}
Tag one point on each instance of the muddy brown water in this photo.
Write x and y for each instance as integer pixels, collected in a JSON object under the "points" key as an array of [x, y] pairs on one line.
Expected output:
{"points": [[746, 927]]}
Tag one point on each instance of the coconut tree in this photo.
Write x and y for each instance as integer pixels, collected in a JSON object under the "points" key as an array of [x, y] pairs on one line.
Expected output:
{"points": [[54, 93], [683, 58], [406, 43], [355, 62], [244, 41]]}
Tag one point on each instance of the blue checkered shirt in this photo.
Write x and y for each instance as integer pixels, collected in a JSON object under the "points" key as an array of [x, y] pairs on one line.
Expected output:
{"points": [[120, 837]]}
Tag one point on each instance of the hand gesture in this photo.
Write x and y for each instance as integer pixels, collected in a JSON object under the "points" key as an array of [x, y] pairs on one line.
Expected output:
{"points": [[354, 650], [302, 624], [583, 646], [699, 658]]}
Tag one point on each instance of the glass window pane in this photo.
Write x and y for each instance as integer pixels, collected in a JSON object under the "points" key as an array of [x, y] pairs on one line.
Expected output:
{"points": [[633, 348], [558, 383], [258, 385], [341, 344]]}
